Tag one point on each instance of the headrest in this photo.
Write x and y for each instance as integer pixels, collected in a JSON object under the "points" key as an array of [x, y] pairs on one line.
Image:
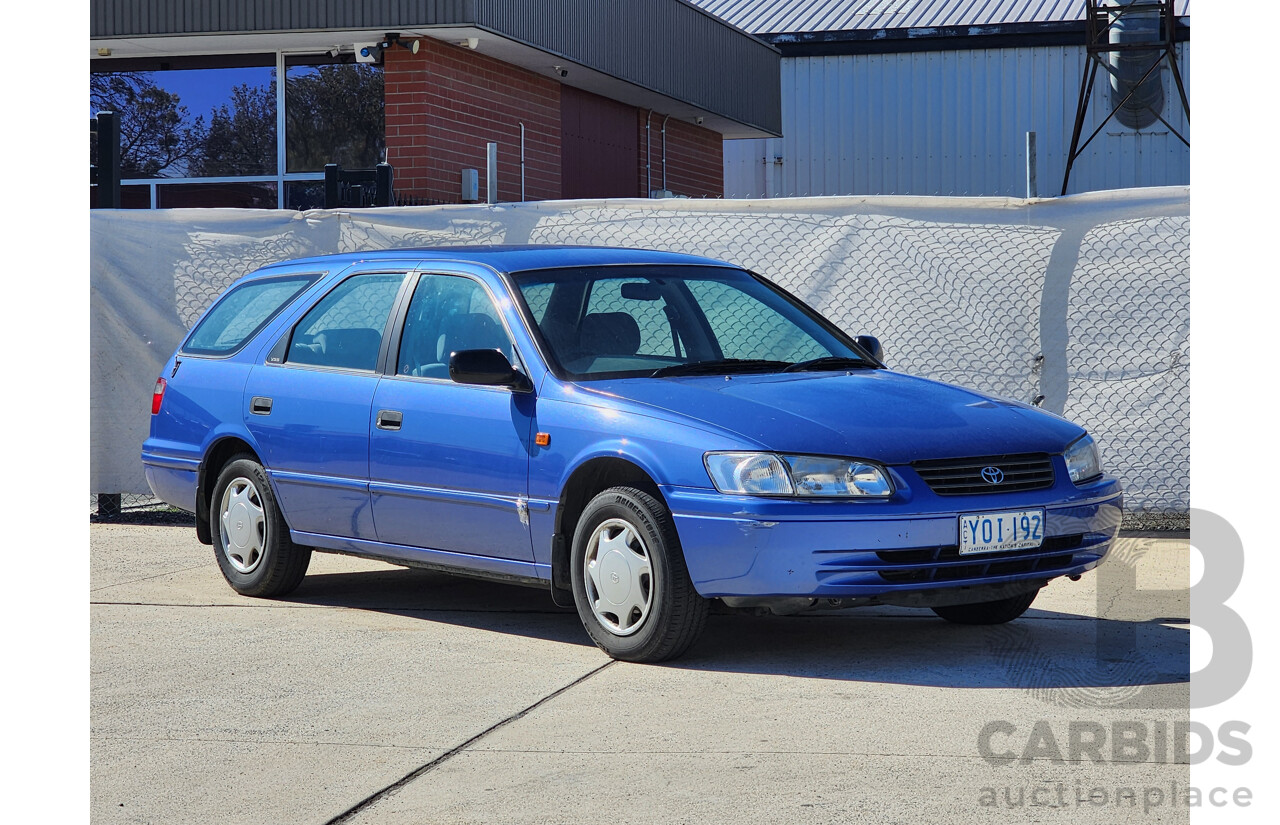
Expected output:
{"points": [[609, 333], [471, 330]]}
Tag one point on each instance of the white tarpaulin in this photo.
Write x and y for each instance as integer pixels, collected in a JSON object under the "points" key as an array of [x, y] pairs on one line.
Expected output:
{"points": [[1083, 301]]}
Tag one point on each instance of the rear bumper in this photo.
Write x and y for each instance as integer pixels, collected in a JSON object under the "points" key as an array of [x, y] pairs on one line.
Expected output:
{"points": [[172, 479], [737, 546]]}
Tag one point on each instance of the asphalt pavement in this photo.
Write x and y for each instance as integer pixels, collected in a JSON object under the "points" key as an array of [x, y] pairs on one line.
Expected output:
{"points": [[377, 694]]}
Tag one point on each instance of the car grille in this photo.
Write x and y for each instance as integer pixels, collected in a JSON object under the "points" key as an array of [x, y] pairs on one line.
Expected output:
{"points": [[964, 476], [1048, 557]]}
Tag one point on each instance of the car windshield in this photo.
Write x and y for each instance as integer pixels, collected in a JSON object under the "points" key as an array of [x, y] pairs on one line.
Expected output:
{"points": [[663, 321]]}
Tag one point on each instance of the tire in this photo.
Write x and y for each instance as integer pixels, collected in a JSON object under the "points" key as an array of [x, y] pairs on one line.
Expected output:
{"points": [[250, 538], [640, 570], [997, 612]]}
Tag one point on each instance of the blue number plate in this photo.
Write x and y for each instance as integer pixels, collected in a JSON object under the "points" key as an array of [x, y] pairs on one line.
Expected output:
{"points": [[996, 532]]}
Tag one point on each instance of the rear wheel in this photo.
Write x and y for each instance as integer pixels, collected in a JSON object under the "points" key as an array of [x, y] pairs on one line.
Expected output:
{"points": [[996, 612], [630, 583], [250, 538]]}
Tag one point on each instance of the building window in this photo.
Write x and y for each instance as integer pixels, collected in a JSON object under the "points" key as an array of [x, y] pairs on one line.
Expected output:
{"points": [[191, 123], [333, 114], [210, 136]]}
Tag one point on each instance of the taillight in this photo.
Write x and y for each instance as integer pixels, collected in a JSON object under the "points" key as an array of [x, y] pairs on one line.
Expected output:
{"points": [[157, 395]]}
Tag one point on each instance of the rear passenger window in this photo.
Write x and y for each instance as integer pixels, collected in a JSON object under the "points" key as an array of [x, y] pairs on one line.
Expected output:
{"points": [[345, 329], [242, 312]]}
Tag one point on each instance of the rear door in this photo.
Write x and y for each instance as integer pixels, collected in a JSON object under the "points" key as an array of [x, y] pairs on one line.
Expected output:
{"points": [[308, 407]]}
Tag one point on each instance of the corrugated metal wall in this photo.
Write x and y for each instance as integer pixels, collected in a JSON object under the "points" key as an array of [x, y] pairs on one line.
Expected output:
{"points": [[950, 123]]}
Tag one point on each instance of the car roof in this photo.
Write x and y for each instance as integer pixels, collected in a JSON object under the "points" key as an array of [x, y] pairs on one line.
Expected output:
{"points": [[507, 258]]}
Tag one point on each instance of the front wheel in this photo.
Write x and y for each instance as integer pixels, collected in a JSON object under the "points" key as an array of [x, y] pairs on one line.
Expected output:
{"points": [[250, 537], [996, 612], [630, 583]]}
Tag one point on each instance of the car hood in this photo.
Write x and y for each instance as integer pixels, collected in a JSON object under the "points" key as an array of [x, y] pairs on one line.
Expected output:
{"points": [[875, 414]]}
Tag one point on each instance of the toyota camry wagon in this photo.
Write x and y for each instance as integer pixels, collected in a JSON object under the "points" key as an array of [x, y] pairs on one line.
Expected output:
{"points": [[637, 432]]}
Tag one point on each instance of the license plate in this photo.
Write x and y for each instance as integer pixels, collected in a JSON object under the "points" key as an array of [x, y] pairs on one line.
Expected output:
{"points": [[996, 532]]}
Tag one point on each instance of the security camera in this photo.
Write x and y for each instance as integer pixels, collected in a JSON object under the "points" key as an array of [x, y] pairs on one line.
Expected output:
{"points": [[560, 70], [698, 120]]}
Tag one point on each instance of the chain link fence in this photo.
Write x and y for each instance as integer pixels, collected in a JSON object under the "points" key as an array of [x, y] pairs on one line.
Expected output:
{"points": [[1078, 304]]}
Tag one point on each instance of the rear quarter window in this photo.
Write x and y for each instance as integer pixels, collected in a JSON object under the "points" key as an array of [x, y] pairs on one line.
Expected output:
{"points": [[242, 312]]}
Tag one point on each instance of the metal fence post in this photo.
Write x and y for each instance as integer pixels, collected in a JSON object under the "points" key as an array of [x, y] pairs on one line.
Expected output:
{"points": [[332, 185], [1033, 190], [108, 504], [108, 161], [382, 185], [491, 174]]}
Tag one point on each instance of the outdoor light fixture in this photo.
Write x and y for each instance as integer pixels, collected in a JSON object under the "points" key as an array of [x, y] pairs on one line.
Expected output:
{"points": [[372, 52], [394, 40], [469, 43]]}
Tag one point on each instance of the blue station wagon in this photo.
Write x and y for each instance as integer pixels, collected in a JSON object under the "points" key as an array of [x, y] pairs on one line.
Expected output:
{"points": [[638, 432]]}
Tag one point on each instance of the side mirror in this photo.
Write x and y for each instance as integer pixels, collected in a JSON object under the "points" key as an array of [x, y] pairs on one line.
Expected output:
{"points": [[488, 367], [872, 345]]}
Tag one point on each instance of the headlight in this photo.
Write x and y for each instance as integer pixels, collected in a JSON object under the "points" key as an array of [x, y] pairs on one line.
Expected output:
{"points": [[767, 474], [1082, 460], [758, 474]]}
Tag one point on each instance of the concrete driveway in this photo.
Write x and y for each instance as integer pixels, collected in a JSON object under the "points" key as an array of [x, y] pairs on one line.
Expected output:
{"points": [[376, 694]]}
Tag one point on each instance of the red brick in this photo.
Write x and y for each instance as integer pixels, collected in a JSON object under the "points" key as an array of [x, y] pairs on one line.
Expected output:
{"points": [[444, 104]]}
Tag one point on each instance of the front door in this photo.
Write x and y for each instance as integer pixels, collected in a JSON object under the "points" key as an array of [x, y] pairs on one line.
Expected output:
{"points": [[449, 463]]}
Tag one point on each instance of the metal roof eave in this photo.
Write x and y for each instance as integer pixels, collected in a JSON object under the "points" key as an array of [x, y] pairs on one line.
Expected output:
{"points": [[700, 66], [941, 38]]}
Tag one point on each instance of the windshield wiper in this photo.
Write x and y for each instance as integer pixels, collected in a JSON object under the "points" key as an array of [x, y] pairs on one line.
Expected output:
{"points": [[830, 362], [718, 366]]}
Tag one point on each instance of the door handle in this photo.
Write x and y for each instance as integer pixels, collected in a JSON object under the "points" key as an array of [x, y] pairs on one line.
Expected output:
{"points": [[260, 405], [389, 420]]}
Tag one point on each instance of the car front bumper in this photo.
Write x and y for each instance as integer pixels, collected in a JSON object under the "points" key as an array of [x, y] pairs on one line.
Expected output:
{"points": [[888, 552]]}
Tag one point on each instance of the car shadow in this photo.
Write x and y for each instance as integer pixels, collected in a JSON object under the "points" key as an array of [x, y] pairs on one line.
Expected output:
{"points": [[1058, 655]]}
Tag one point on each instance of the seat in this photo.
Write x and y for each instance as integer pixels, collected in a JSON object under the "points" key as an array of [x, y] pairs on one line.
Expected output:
{"points": [[609, 334], [355, 348], [470, 330], [419, 353]]}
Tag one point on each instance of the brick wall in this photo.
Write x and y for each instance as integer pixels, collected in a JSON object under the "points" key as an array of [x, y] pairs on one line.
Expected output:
{"points": [[446, 102], [695, 157]]}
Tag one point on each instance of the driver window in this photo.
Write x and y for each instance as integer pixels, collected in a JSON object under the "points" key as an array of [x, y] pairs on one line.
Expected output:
{"points": [[448, 313]]}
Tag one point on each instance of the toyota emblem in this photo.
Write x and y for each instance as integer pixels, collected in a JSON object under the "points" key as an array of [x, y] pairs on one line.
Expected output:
{"points": [[992, 475]]}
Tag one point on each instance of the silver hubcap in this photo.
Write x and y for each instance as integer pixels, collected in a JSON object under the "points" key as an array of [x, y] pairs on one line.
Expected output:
{"points": [[619, 577], [244, 525]]}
